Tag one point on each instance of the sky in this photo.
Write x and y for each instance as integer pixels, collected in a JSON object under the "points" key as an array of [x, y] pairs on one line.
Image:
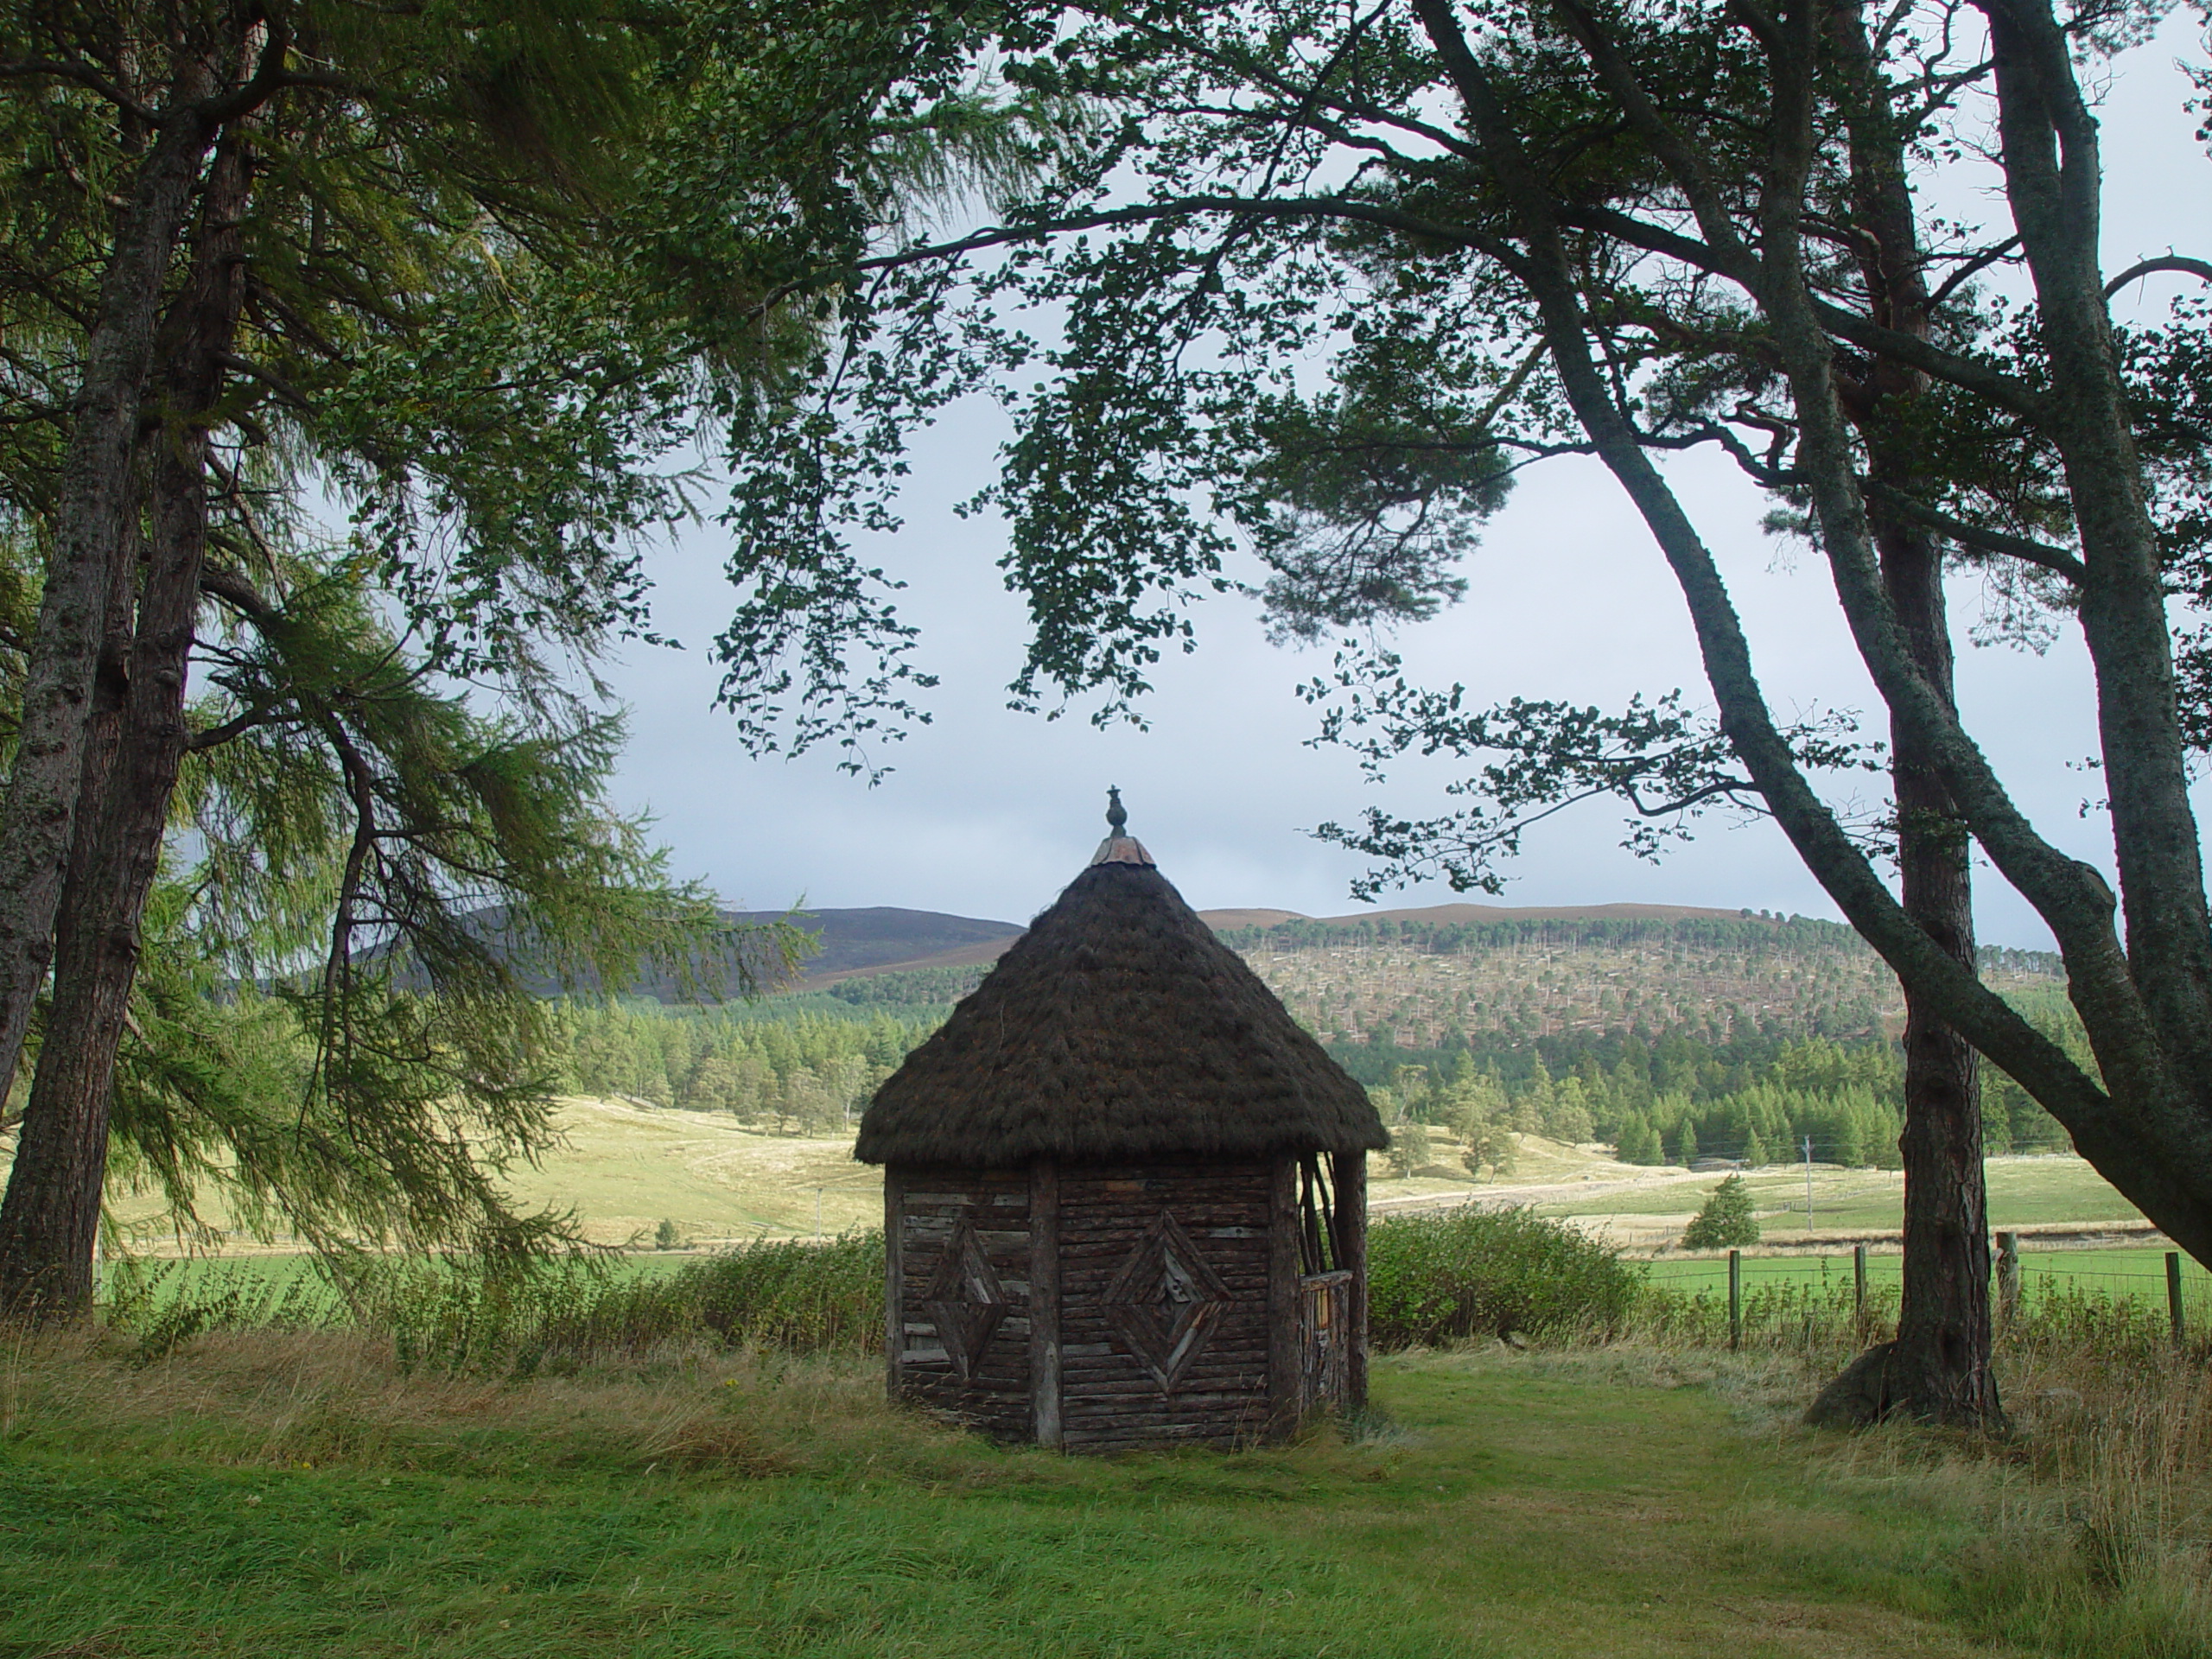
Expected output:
{"points": [[989, 813]]}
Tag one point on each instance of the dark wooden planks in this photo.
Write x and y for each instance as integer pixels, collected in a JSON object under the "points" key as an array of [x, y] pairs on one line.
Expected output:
{"points": [[1109, 1399], [1045, 1354], [1285, 1392], [1350, 1169], [932, 1205]]}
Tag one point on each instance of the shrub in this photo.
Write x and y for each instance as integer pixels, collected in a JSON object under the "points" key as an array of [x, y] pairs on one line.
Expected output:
{"points": [[792, 1295], [454, 1314], [665, 1236], [1461, 1273], [1725, 1221]]}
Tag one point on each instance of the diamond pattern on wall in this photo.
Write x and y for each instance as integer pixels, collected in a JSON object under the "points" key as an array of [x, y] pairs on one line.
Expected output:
{"points": [[1164, 1301], [966, 1301]]}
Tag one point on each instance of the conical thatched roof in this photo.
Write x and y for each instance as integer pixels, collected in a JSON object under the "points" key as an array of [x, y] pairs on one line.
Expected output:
{"points": [[1117, 1028]]}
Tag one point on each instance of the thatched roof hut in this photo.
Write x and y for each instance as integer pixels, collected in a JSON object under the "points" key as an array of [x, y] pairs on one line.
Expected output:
{"points": [[1125, 1191]]}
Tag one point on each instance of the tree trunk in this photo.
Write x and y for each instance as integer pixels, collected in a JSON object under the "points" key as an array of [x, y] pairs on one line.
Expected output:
{"points": [[41, 1163], [37, 812], [1938, 1369], [49, 1221]]}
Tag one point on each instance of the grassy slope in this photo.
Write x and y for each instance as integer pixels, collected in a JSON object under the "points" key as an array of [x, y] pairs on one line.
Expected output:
{"points": [[625, 1168], [2023, 1191], [274, 1495]]}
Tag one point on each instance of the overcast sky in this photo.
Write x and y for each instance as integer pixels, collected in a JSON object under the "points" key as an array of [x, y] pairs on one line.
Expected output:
{"points": [[989, 813]]}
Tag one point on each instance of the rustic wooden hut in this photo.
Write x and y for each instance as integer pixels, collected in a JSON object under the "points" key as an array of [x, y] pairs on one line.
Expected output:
{"points": [[1124, 1193]]}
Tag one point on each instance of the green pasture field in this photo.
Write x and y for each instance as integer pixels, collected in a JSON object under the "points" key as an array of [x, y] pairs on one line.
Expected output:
{"points": [[260, 1500], [2116, 1271], [2023, 1193]]}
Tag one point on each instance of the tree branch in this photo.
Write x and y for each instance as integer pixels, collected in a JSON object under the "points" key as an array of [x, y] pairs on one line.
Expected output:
{"points": [[2056, 560], [2174, 262]]}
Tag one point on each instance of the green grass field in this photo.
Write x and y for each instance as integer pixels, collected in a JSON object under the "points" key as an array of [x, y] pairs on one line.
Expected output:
{"points": [[2114, 1272], [2023, 1193], [623, 1169], [265, 1495]]}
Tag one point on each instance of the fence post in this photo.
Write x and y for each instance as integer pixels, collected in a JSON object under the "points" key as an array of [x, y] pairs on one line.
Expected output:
{"points": [[2008, 1277], [1735, 1300], [1859, 1293], [2173, 1291]]}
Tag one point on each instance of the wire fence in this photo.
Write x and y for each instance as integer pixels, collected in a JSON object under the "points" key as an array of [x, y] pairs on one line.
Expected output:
{"points": [[2117, 1301]]}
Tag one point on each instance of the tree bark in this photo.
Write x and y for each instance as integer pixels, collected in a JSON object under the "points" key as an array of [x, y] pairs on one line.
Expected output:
{"points": [[49, 1221], [1939, 1367], [38, 809]]}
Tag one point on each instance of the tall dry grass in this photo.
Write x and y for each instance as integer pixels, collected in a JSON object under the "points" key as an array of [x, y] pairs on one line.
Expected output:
{"points": [[2093, 1509], [457, 1315], [289, 1398]]}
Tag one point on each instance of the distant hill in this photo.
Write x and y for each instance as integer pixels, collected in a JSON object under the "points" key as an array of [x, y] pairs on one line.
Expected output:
{"points": [[854, 945], [849, 942], [1461, 915], [869, 941], [1386, 987], [1434, 976]]}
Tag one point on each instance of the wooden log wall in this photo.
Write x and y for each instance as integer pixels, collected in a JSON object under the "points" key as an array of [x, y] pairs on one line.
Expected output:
{"points": [[1111, 1401], [1348, 1173], [924, 1210]]}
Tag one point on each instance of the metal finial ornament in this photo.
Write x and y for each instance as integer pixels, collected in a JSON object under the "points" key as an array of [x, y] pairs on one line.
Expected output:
{"points": [[1119, 847]]}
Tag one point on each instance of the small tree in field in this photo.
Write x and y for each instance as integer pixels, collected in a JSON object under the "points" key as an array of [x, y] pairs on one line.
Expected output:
{"points": [[1726, 1220], [1491, 1146], [1410, 1151]]}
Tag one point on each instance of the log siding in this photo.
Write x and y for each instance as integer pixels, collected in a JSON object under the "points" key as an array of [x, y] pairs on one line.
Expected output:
{"points": [[932, 1205], [1110, 1399], [1062, 1366]]}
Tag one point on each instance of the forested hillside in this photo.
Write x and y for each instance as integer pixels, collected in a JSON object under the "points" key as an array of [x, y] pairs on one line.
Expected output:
{"points": [[1670, 1040]]}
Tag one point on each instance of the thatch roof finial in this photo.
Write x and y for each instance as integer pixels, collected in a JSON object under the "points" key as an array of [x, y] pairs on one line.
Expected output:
{"points": [[1117, 1028], [1119, 848]]}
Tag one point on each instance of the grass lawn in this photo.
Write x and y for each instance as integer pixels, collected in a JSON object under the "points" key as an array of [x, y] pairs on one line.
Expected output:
{"points": [[263, 1495]]}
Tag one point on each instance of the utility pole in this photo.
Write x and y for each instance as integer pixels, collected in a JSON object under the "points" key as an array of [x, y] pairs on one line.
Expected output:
{"points": [[1809, 1182]]}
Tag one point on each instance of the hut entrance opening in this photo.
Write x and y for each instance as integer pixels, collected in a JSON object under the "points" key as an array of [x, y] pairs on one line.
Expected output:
{"points": [[1326, 1286]]}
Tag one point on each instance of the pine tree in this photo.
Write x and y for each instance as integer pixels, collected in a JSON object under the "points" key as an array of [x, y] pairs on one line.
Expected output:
{"points": [[1639, 1142], [1688, 1149], [1726, 1221]]}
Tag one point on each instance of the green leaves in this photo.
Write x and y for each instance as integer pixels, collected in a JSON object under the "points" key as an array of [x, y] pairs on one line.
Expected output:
{"points": [[1667, 762]]}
